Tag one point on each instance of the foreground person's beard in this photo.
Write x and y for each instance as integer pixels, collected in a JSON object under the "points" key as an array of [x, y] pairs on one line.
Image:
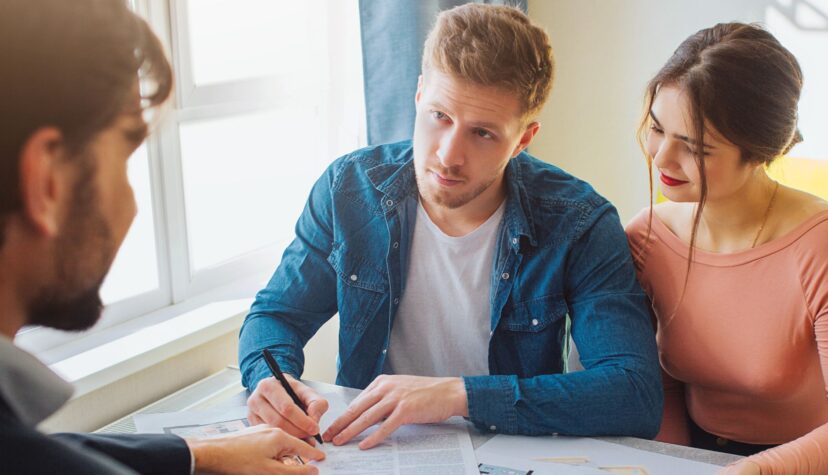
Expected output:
{"points": [[53, 308], [83, 255]]}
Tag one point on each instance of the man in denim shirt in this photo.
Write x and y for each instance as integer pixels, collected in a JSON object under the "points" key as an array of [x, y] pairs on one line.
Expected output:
{"points": [[454, 261]]}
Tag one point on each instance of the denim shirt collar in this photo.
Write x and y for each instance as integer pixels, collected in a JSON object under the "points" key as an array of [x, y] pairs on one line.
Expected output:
{"points": [[518, 215], [397, 181]]}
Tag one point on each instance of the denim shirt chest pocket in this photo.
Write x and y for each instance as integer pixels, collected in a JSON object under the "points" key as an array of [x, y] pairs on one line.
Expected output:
{"points": [[361, 286], [532, 334]]}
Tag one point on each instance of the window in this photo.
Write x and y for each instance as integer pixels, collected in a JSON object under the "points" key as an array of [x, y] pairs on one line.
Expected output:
{"points": [[135, 270], [268, 92]]}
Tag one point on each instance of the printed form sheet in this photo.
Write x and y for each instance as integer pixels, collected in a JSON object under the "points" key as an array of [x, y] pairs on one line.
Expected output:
{"points": [[435, 449], [412, 450], [201, 424]]}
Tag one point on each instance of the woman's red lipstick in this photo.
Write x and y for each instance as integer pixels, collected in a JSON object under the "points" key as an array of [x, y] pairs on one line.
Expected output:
{"points": [[670, 181]]}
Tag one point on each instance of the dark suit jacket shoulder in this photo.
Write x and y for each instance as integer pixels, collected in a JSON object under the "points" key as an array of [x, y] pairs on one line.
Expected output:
{"points": [[24, 450]]}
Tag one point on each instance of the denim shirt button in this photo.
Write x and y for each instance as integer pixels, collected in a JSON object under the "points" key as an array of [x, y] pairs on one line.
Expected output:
{"points": [[354, 277], [395, 245], [492, 428], [514, 241], [396, 300], [505, 276], [389, 203], [384, 351], [534, 322]]}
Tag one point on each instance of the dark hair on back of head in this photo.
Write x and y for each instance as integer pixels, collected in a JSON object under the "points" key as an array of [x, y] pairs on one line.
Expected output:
{"points": [[73, 65]]}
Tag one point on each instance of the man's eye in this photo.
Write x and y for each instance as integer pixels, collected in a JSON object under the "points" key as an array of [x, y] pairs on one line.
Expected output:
{"points": [[438, 115], [483, 133]]}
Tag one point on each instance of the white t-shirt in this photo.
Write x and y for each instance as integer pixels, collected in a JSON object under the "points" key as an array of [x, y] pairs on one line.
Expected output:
{"points": [[443, 323]]}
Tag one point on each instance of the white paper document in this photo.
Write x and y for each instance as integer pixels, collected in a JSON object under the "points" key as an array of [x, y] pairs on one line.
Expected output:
{"points": [[438, 449], [496, 464], [442, 449], [201, 424], [546, 452]]}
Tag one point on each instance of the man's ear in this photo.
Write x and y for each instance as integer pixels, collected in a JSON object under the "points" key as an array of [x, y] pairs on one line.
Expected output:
{"points": [[419, 90], [43, 180], [527, 137]]}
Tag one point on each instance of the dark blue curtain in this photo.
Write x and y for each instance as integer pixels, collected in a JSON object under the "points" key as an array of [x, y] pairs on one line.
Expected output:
{"points": [[393, 33]]}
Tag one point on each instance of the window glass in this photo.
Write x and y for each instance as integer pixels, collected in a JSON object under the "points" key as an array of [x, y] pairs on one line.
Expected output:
{"points": [[135, 269], [244, 39], [246, 179]]}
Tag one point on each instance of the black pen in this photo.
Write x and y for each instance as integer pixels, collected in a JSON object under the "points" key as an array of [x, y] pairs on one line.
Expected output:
{"points": [[277, 373]]}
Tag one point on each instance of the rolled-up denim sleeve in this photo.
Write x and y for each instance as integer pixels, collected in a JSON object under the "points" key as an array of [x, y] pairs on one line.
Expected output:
{"points": [[300, 296], [619, 392]]}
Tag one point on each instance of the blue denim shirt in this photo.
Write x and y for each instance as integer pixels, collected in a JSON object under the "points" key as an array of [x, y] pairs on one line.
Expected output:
{"points": [[561, 255]]}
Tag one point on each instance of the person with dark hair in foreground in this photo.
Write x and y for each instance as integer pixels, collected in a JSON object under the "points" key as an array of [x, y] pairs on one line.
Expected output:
{"points": [[71, 116]]}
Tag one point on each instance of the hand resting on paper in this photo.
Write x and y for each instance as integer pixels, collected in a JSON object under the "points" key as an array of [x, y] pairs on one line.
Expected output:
{"points": [[397, 400]]}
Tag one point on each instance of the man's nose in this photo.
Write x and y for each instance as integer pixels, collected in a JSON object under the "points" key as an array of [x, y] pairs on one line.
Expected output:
{"points": [[450, 152]]}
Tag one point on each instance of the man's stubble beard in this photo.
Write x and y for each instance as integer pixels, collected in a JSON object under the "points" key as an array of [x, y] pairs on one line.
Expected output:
{"points": [[445, 200], [82, 256]]}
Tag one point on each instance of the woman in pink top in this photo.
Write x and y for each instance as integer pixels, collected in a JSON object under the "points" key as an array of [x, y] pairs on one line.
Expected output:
{"points": [[742, 328]]}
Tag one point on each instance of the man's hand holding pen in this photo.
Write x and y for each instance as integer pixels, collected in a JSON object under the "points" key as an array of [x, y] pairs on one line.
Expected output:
{"points": [[271, 404], [392, 400]]}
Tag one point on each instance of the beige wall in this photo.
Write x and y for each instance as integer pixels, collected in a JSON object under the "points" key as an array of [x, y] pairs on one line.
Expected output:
{"points": [[606, 51]]}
